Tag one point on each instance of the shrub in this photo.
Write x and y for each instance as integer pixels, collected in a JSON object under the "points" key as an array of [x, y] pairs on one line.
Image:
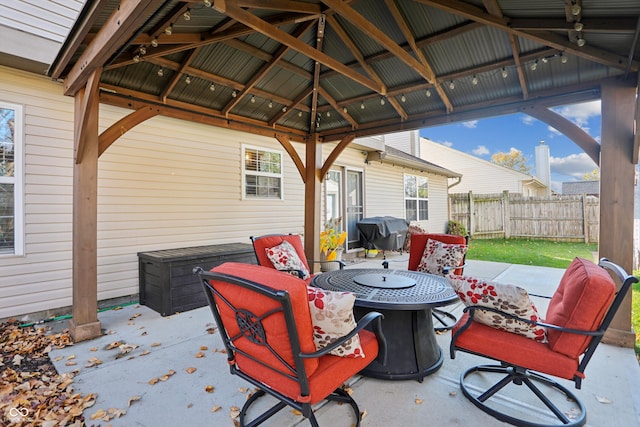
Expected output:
{"points": [[456, 228]]}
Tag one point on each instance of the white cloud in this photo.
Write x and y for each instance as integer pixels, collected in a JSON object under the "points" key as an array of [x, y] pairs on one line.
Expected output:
{"points": [[472, 124], [580, 113], [553, 131], [447, 144], [481, 150], [573, 165], [528, 120]]}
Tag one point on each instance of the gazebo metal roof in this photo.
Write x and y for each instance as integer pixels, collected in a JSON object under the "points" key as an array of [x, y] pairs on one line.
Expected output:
{"points": [[332, 68]]}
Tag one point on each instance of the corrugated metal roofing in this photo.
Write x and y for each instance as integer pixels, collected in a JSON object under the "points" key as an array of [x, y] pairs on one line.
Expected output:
{"points": [[463, 44]]}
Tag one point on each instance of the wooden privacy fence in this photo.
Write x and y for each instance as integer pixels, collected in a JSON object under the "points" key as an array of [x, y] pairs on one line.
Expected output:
{"points": [[569, 218]]}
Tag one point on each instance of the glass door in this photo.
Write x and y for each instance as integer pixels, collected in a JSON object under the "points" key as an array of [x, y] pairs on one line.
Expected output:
{"points": [[354, 207]]}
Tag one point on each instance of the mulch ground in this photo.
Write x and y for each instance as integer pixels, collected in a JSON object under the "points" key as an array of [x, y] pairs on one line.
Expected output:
{"points": [[32, 393]]}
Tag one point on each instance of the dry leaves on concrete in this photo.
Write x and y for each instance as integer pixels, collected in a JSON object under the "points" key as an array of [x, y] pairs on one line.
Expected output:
{"points": [[32, 393]]}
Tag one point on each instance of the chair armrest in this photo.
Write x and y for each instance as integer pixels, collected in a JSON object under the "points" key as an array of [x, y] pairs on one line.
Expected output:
{"points": [[341, 264], [372, 316], [471, 309], [298, 273]]}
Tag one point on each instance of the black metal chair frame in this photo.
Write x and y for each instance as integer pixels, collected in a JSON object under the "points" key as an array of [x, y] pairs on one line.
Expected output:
{"points": [[251, 327], [520, 375], [310, 262]]}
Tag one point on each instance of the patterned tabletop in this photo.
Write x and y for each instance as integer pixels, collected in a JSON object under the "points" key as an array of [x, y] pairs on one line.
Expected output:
{"points": [[429, 290]]}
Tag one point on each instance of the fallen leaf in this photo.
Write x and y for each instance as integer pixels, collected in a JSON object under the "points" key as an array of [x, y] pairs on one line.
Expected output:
{"points": [[155, 344], [133, 399], [94, 361], [113, 345], [453, 393], [145, 352], [71, 363], [153, 381], [190, 405], [191, 370], [296, 412], [200, 355], [93, 349], [59, 358], [603, 399], [204, 348], [234, 412], [209, 389], [216, 408], [73, 356], [243, 389], [419, 401], [100, 413], [17, 359], [363, 414]]}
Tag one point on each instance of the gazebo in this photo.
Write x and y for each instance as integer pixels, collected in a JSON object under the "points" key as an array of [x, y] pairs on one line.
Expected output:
{"points": [[311, 72]]}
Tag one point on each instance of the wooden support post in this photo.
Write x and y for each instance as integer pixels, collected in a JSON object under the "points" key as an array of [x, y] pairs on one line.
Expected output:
{"points": [[506, 215], [84, 324], [312, 192], [617, 174]]}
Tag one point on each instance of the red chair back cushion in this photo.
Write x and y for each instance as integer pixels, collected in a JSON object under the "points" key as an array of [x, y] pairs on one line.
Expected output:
{"points": [[581, 301], [419, 241], [274, 325], [266, 242]]}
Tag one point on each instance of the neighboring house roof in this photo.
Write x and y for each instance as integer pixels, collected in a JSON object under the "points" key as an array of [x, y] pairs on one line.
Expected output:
{"points": [[394, 156], [581, 187], [471, 166]]}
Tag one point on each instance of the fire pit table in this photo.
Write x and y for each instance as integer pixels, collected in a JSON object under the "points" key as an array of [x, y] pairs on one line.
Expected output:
{"points": [[406, 299]]}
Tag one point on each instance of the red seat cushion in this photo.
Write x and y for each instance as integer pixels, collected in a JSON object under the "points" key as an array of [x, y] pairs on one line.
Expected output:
{"points": [[580, 302], [419, 241], [515, 350]]}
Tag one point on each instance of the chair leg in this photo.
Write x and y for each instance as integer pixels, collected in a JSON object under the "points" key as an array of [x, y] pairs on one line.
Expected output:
{"points": [[338, 395], [519, 376], [444, 318]]}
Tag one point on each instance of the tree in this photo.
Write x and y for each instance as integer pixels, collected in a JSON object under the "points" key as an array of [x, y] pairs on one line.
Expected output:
{"points": [[592, 176], [514, 159]]}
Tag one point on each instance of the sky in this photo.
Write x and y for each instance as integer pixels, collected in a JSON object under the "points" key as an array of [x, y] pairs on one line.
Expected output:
{"points": [[485, 137]]}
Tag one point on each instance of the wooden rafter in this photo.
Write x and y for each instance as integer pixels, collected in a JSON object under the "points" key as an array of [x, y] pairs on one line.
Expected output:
{"points": [[313, 117], [493, 8], [268, 66], [288, 5], [120, 26], [178, 75], [275, 33], [332, 102], [285, 141], [543, 37], [408, 35], [295, 104], [379, 36]]}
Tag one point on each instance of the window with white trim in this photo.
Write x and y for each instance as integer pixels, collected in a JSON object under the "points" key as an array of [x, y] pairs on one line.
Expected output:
{"points": [[262, 173], [11, 217], [416, 198]]}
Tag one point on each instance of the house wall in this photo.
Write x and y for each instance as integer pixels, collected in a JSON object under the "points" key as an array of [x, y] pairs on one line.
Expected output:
{"points": [[479, 176], [164, 184]]}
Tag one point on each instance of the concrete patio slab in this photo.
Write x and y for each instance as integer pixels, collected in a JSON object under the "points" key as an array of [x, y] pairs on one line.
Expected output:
{"points": [[166, 347]]}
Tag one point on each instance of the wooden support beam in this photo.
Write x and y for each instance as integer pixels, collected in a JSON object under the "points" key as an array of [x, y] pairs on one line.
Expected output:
{"points": [[568, 128], [122, 126], [285, 141], [617, 179], [83, 111], [337, 150], [84, 323], [312, 203]]}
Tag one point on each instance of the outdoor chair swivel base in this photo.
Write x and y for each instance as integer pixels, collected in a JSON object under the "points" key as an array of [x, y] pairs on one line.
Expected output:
{"points": [[578, 315], [264, 320]]}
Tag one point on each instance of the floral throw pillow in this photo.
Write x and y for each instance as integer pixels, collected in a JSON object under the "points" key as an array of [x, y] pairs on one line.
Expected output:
{"points": [[438, 255], [508, 298], [285, 258], [332, 318]]}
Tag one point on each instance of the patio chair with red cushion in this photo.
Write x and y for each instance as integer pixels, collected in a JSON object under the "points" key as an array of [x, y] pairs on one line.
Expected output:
{"points": [[265, 322], [447, 254], [528, 350], [285, 252]]}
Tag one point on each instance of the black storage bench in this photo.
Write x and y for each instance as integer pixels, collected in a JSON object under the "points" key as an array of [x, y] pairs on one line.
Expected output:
{"points": [[167, 283]]}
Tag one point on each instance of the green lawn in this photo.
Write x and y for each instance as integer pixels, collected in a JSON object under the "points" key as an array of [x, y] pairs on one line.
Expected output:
{"points": [[545, 254], [530, 252]]}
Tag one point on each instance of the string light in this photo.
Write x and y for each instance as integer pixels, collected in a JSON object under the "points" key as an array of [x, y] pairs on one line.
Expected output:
{"points": [[474, 80], [403, 98], [284, 109], [212, 87], [328, 113], [362, 105], [452, 85], [428, 93], [578, 26], [207, 3], [299, 113], [160, 72], [142, 50], [187, 15], [187, 80], [136, 59], [382, 102], [581, 42], [563, 59], [154, 42], [534, 65], [576, 9], [344, 109], [253, 99], [505, 73], [234, 94], [169, 30], [270, 104]]}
